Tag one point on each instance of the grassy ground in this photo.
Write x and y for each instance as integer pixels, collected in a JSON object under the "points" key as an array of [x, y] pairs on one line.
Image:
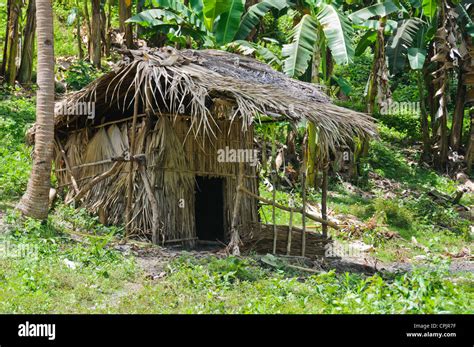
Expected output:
{"points": [[61, 274], [72, 264]]}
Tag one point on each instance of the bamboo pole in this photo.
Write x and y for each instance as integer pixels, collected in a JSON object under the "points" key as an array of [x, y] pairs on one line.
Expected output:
{"points": [[324, 196], [235, 241], [275, 233], [128, 208], [68, 167], [303, 221], [284, 208], [290, 227], [273, 173], [303, 188], [153, 202], [115, 168]]}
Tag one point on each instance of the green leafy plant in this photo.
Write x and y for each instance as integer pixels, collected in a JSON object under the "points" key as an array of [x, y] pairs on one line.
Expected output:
{"points": [[80, 74]]}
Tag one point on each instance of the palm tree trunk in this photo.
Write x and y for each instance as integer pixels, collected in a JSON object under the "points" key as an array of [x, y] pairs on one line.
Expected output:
{"points": [[125, 12], [12, 41], [108, 28], [26, 66], [88, 24], [3, 68], [35, 201], [79, 37], [95, 52]]}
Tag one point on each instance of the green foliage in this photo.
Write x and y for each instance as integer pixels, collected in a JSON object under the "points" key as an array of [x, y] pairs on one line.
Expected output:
{"points": [[16, 115], [300, 51], [229, 22], [195, 287], [338, 32], [255, 13], [388, 162], [398, 44], [80, 74], [356, 75], [416, 57], [380, 9], [429, 8], [392, 212], [404, 123], [209, 22], [53, 273], [447, 217]]}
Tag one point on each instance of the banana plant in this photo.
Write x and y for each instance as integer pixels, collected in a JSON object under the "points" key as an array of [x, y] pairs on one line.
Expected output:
{"points": [[213, 23], [375, 21], [323, 25]]}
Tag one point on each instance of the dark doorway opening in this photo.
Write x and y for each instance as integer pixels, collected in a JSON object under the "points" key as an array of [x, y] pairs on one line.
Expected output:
{"points": [[209, 208]]}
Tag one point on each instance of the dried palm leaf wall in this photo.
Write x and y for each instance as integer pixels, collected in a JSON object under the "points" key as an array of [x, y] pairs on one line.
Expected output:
{"points": [[174, 157]]}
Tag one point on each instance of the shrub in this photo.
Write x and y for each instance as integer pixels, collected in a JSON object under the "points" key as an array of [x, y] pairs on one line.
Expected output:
{"points": [[393, 212], [80, 74]]}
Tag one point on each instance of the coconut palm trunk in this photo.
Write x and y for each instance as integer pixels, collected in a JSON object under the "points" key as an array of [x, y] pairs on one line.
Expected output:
{"points": [[35, 201], [95, 47]]}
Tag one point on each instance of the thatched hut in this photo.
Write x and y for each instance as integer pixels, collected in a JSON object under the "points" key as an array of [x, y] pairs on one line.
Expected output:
{"points": [[156, 143]]}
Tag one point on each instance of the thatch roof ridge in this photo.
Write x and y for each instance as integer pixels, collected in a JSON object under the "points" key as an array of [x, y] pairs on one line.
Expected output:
{"points": [[193, 78]]}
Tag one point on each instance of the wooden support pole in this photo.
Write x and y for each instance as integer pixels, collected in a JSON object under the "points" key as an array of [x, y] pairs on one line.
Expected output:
{"points": [[128, 208], [235, 241], [275, 233], [290, 227], [303, 221], [153, 201], [115, 168], [284, 208], [303, 191], [68, 167], [274, 183], [324, 198]]}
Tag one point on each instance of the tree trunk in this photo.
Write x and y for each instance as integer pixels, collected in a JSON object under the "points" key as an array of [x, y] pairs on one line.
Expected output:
{"points": [[458, 116], [125, 12], [378, 93], [79, 37], [328, 67], [310, 152], [108, 28], [140, 8], [3, 68], [95, 52], [35, 201], [26, 66], [470, 147], [89, 25], [443, 61], [12, 41], [425, 128]]}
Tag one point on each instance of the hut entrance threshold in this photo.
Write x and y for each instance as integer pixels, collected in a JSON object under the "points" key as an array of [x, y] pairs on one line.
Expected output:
{"points": [[209, 206]]}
